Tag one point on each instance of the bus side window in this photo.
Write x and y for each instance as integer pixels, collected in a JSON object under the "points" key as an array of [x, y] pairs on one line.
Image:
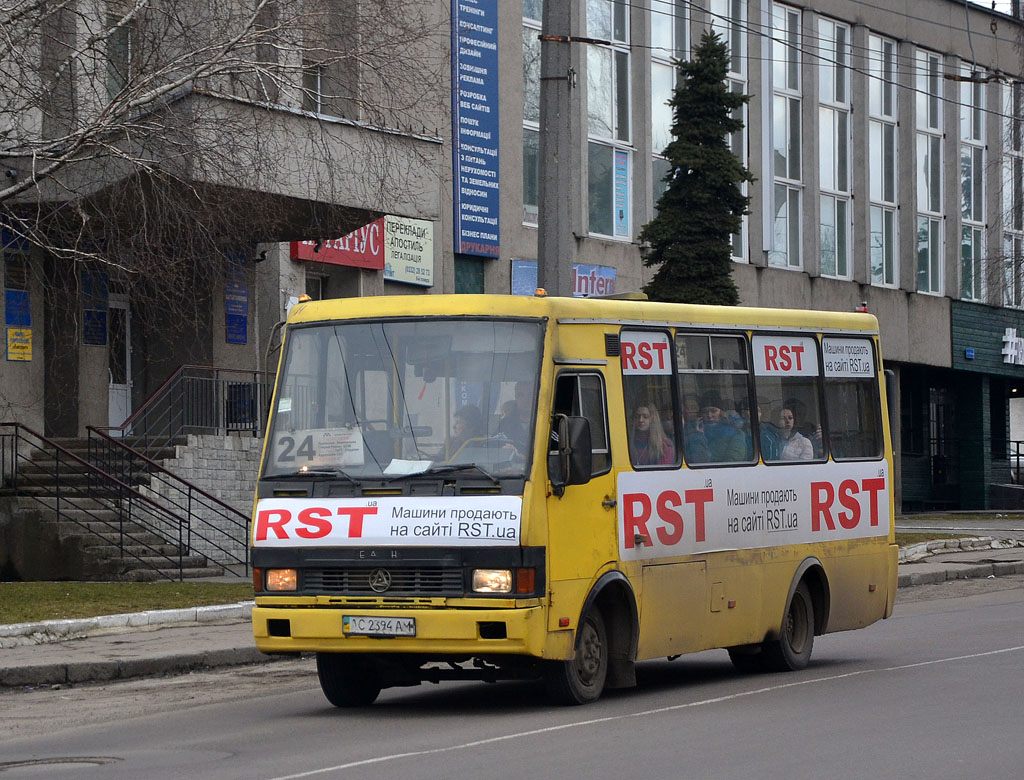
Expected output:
{"points": [[787, 385], [582, 395], [852, 405], [714, 380]]}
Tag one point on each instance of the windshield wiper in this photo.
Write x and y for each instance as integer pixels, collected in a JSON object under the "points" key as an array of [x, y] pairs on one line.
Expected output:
{"points": [[315, 474], [452, 467]]}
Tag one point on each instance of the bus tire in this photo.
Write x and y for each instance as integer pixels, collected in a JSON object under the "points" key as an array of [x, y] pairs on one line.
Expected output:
{"points": [[581, 680], [347, 680], [792, 650]]}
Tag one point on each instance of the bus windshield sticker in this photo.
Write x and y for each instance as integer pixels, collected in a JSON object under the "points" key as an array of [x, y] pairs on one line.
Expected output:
{"points": [[645, 352], [785, 356], [284, 405], [319, 447], [848, 358]]}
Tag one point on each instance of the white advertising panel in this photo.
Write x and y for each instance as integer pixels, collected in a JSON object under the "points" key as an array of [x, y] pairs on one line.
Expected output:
{"points": [[409, 251], [784, 356], [645, 352], [848, 358], [403, 521], [669, 513]]}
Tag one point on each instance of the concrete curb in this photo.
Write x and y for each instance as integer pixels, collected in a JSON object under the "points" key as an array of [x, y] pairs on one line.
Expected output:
{"points": [[957, 571], [16, 634], [105, 671]]}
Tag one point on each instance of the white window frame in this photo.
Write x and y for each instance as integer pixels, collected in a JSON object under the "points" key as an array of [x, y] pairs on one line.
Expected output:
{"points": [[671, 15], [531, 124], [972, 180], [729, 19], [834, 132], [613, 131], [787, 129], [1013, 199], [929, 151], [883, 173]]}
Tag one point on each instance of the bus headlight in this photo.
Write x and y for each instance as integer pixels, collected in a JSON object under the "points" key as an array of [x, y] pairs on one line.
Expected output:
{"points": [[282, 579], [492, 580]]}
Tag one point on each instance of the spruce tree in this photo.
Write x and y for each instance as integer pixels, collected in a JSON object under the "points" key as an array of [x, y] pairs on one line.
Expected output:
{"points": [[690, 238]]}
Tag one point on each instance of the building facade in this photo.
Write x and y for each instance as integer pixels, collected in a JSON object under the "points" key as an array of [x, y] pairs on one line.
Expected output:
{"points": [[886, 143]]}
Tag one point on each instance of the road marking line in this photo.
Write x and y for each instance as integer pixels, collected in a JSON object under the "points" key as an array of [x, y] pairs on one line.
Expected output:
{"points": [[642, 713]]}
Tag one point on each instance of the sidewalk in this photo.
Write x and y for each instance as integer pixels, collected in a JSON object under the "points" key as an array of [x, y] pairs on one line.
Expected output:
{"points": [[113, 647]]}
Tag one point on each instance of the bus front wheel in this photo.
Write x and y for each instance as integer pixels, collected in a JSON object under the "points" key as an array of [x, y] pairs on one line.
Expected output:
{"points": [[792, 650], [347, 680], [581, 680]]}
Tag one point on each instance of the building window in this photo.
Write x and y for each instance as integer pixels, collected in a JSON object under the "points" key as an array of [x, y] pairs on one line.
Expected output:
{"points": [[972, 185], [608, 120], [313, 86], [469, 274], [121, 40], [668, 43], [728, 19], [531, 111], [786, 138], [1013, 203], [834, 148], [882, 158], [929, 172]]}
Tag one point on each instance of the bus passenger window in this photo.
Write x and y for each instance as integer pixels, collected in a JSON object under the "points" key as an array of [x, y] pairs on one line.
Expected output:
{"points": [[787, 389], [582, 395], [851, 398], [715, 384], [648, 395]]}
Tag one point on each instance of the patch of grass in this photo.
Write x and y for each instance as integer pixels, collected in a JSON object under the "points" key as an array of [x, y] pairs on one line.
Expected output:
{"points": [[27, 602], [905, 540]]}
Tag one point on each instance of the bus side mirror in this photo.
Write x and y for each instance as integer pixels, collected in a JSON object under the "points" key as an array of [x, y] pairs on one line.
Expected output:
{"points": [[570, 453]]}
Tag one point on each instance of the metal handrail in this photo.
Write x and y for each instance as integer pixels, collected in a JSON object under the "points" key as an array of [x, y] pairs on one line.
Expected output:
{"points": [[198, 399], [197, 503], [132, 507]]}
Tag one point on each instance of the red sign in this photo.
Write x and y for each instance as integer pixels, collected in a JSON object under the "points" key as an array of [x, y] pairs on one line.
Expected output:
{"points": [[362, 248]]}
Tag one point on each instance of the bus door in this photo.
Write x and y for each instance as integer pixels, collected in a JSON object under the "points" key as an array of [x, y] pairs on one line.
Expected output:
{"points": [[581, 521], [658, 503]]}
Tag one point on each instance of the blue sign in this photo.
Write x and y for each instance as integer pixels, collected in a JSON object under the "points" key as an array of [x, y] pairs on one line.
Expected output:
{"points": [[236, 304], [475, 126], [622, 194], [18, 311], [587, 280]]}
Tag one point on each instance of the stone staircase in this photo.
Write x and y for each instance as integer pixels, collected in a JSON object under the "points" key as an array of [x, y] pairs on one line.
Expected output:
{"points": [[79, 530]]}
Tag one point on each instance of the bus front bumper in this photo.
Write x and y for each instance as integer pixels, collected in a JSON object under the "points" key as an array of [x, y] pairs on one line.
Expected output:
{"points": [[438, 631]]}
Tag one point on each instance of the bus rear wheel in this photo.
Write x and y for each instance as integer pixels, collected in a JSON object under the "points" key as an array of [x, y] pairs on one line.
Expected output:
{"points": [[792, 650], [581, 680], [348, 680]]}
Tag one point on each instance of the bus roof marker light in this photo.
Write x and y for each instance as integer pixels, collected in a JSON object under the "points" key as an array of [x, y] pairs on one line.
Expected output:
{"points": [[540, 293], [863, 307]]}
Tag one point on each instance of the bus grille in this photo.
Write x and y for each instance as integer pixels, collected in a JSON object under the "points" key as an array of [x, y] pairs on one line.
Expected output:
{"points": [[404, 581]]}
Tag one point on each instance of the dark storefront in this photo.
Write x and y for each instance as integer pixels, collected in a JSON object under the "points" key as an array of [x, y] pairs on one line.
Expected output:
{"points": [[955, 423]]}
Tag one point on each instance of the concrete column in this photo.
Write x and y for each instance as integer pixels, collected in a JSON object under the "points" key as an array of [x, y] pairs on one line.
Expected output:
{"points": [[562, 143]]}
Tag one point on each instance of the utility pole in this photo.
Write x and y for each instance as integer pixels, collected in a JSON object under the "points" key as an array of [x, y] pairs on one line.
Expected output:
{"points": [[560, 138]]}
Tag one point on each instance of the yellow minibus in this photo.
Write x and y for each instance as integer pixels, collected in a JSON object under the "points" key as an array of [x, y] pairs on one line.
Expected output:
{"points": [[509, 487]]}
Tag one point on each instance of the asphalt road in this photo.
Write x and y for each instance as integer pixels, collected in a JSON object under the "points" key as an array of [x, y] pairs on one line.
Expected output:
{"points": [[935, 692]]}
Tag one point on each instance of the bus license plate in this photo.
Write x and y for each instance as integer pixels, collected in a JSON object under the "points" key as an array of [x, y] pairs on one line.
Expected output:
{"points": [[362, 625]]}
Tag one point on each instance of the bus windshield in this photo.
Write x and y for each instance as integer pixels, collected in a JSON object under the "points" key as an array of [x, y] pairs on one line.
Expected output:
{"points": [[395, 398]]}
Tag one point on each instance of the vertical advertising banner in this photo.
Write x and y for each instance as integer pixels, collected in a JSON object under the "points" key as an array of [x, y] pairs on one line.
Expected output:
{"points": [[475, 126]]}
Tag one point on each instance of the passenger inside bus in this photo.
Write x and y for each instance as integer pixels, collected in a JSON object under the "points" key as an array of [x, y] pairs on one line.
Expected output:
{"points": [[712, 438], [795, 446], [648, 444], [467, 424]]}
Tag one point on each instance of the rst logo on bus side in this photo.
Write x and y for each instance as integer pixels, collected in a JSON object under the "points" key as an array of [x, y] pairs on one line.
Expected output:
{"points": [[750, 507]]}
